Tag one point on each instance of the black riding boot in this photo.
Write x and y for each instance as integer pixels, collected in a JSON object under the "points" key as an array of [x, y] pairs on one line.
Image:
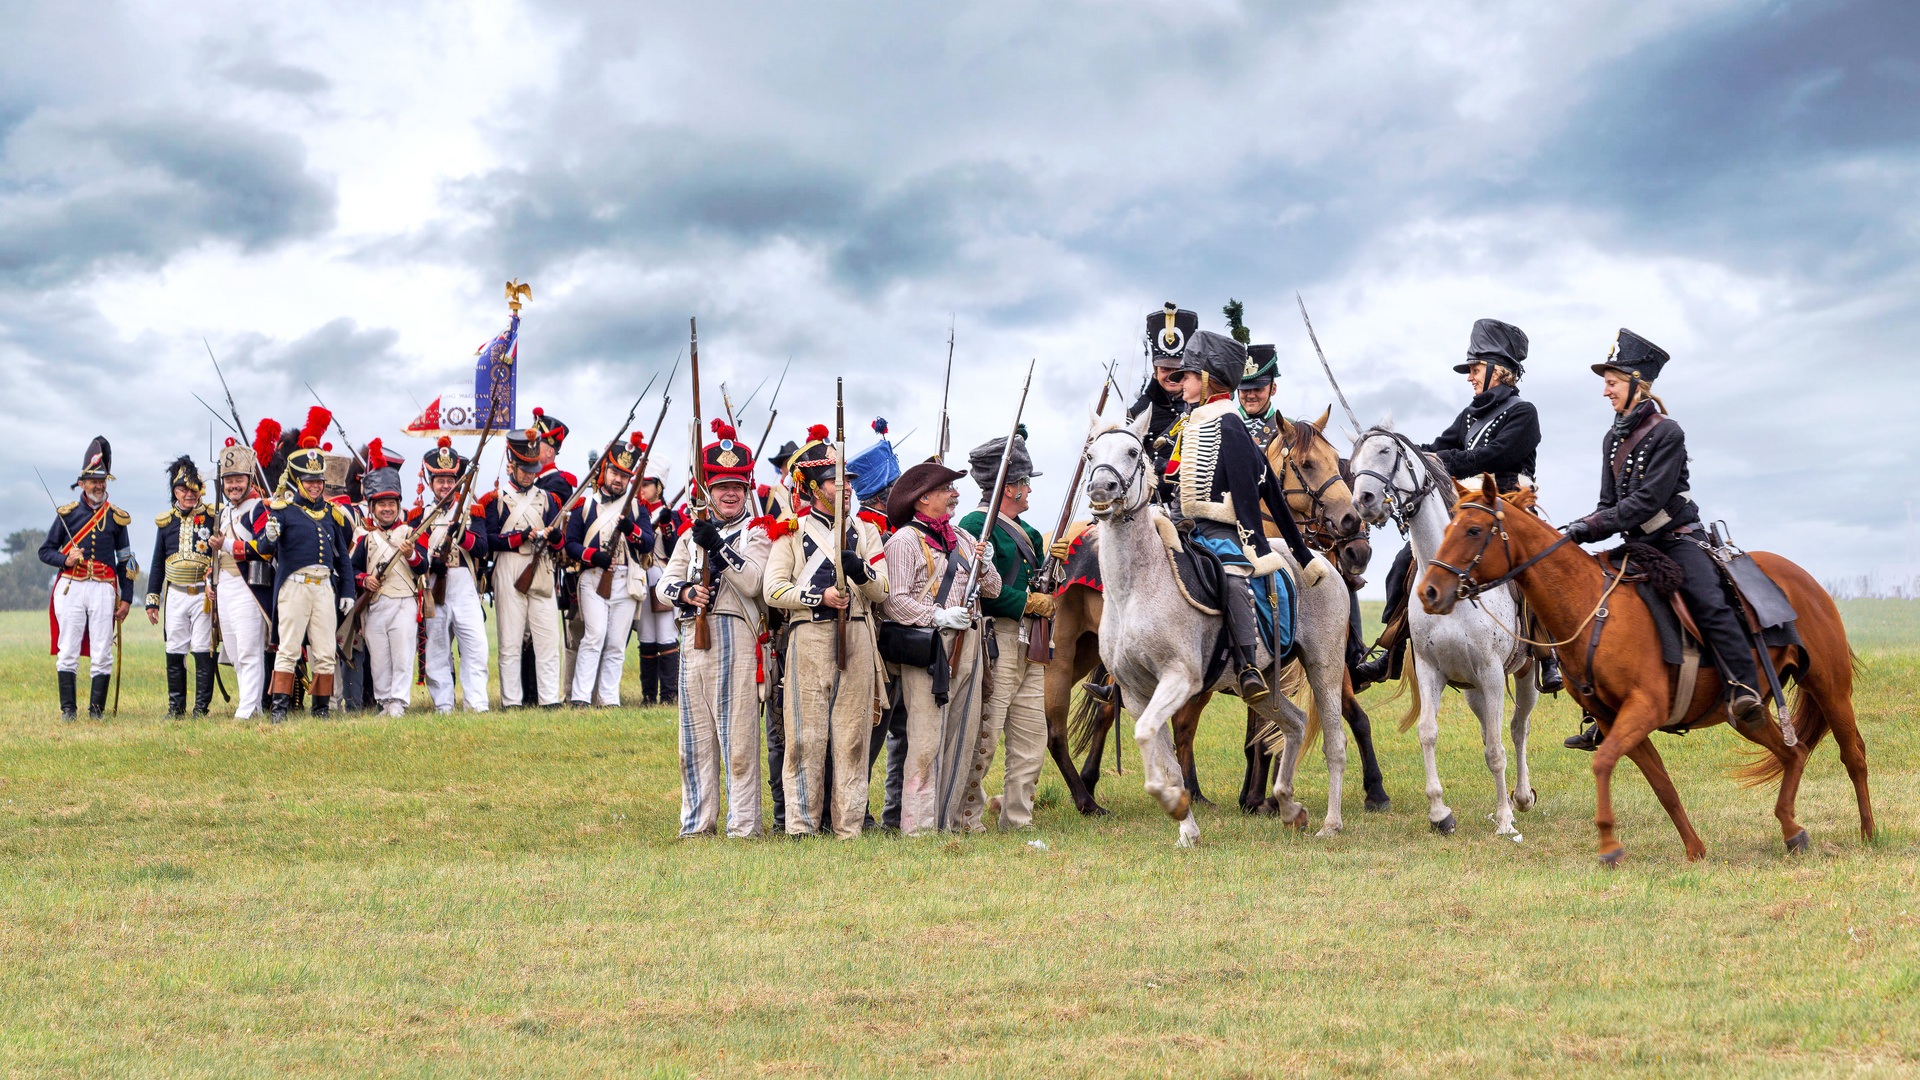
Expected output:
{"points": [[1385, 665], [1100, 686], [1245, 633], [203, 672], [322, 691], [649, 674], [68, 710], [1588, 739], [176, 685], [670, 675], [97, 707], [1550, 680]]}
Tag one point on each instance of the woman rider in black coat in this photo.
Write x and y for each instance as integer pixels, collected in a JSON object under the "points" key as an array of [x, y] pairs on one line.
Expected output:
{"points": [[1644, 497]]}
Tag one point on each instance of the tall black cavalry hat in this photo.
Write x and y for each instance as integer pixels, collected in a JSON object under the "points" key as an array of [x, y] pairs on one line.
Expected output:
{"points": [[1634, 356], [1498, 343], [1168, 330]]}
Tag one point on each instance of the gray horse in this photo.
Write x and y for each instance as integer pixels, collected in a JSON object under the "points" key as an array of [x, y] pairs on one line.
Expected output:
{"points": [[1157, 645]]}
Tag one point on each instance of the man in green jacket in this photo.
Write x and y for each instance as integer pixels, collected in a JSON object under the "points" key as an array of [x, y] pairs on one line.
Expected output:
{"points": [[1016, 710]]}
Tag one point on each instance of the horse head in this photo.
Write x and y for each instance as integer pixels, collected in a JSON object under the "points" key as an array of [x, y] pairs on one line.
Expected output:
{"points": [[1309, 470], [1469, 560], [1119, 469], [1385, 471]]}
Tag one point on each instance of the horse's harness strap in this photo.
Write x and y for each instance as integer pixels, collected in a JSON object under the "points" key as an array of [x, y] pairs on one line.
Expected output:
{"points": [[1599, 624]]}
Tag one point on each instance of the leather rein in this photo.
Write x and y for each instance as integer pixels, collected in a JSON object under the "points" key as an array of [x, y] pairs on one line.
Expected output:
{"points": [[1314, 530], [1126, 482]]}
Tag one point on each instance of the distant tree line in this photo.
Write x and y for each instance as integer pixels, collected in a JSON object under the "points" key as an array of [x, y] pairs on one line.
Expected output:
{"points": [[25, 581]]}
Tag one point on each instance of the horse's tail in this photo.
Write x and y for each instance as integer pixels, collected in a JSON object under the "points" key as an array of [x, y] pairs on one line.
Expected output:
{"points": [[1291, 682], [1303, 696], [1809, 727], [1083, 723], [1409, 685]]}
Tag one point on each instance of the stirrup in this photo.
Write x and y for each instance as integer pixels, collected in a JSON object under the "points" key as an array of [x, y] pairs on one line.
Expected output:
{"points": [[1589, 739], [1253, 685], [1100, 692]]}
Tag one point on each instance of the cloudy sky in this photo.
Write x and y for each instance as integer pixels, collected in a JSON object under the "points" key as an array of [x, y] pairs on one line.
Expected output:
{"points": [[335, 193]]}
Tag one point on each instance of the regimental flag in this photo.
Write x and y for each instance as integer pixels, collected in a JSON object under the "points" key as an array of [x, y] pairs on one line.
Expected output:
{"points": [[496, 368]]}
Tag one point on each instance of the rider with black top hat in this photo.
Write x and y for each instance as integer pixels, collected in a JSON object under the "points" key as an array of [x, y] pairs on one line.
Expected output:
{"points": [[1498, 432], [1645, 497]]}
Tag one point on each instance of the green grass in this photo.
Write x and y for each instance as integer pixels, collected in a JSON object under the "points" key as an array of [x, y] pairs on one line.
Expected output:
{"points": [[449, 896]]}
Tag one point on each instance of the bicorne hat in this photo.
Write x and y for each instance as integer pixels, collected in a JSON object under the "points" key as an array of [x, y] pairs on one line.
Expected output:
{"points": [[182, 472], [915, 482], [1168, 330], [1263, 366], [98, 464], [1497, 343], [1635, 357]]}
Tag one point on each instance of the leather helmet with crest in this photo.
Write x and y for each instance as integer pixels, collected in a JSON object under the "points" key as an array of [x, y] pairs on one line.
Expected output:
{"points": [[1216, 356]]}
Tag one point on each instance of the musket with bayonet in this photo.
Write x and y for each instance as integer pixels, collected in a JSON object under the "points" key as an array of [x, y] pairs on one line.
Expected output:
{"points": [[940, 450], [1040, 632], [463, 508], [541, 543], [239, 425], [334, 417], [1324, 366], [840, 522], [697, 490], [972, 594]]}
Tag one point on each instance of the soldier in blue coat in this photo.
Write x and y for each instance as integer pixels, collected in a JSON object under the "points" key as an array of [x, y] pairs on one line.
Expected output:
{"points": [[311, 541], [90, 546]]}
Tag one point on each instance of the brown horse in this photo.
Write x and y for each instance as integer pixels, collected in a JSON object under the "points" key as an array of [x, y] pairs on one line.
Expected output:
{"points": [[1611, 649], [1317, 494]]}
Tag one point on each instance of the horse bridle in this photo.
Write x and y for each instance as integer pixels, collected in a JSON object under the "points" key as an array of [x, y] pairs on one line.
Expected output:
{"points": [[1467, 589], [1126, 482], [1316, 531], [1402, 503]]}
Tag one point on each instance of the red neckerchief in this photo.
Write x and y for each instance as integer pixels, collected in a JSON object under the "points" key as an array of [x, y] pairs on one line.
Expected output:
{"points": [[941, 528]]}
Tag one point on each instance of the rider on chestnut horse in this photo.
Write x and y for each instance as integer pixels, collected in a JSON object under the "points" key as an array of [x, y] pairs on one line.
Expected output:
{"points": [[1644, 497], [1496, 433]]}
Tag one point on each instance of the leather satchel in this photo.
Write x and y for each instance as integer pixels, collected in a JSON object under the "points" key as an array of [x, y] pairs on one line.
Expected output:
{"points": [[916, 646]]}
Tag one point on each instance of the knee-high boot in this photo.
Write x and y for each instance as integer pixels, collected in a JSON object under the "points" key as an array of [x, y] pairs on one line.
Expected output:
{"points": [[203, 672], [669, 661], [176, 685], [649, 674], [69, 710], [1245, 634], [97, 706]]}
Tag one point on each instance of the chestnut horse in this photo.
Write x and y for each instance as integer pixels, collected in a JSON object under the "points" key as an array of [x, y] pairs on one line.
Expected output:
{"points": [[1610, 652], [1316, 491]]}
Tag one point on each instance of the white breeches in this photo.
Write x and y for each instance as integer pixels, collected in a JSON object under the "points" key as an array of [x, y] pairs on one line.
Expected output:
{"points": [[460, 618], [308, 616], [243, 638], [654, 627], [188, 623], [602, 656], [85, 609], [391, 623], [515, 615]]}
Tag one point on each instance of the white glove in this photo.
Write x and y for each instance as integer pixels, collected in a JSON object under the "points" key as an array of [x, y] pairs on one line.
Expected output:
{"points": [[346, 606], [952, 618], [1314, 572], [273, 527]]}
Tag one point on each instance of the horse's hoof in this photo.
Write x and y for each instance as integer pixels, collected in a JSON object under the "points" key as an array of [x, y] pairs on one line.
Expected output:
{"points": [[1445, 825], [1300, 820], [1531, 800], [1094, 810], [1797, 843], [1380, 807], [1611, 859], [1327, 831], [1202, 800]]}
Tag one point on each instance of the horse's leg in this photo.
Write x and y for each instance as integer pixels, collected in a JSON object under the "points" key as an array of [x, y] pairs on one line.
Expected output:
{"points": [[1488, 702], [1185, 723], [1432, 684], [1323, 613], [1259, 763], [1793, 763], [1159, 763], [1648, 759], [1362, 728], [1293, 729], [1636, 718], [1108, 716], [1063, 674], [1526, 694], [1838, 711]]}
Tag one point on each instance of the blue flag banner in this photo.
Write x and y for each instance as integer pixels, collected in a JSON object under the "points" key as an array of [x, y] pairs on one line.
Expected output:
{"points": [[496, 367]]}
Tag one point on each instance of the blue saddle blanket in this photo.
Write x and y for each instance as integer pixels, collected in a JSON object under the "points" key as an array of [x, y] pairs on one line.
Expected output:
{"points": [[1276, 601]]}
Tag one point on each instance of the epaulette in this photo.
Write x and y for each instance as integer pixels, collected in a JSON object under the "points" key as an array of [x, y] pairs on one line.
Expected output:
{"points": [[339, 515], [280, 503], [872, 517], [63, 511], [480, 504], [121, 517], [685, 524], [164, 519], [777, 527], [572, 480]]}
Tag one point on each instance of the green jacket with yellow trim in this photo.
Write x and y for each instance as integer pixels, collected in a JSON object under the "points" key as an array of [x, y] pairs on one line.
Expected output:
{"points": [[1014, 571]]}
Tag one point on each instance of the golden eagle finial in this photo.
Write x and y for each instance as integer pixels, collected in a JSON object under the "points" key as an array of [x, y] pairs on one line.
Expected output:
{"points": [[516, 292]]}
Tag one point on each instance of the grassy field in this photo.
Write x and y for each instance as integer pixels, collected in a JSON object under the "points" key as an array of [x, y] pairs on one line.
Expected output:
{"points": [[439, 896]]}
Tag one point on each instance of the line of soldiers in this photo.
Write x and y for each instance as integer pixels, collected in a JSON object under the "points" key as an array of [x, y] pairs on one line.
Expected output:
{"points": [[838, 618]]}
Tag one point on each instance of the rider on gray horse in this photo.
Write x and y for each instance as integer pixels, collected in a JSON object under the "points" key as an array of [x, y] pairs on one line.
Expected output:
{"points": [[1645, 497], [1221, 479], [1496, 433]]}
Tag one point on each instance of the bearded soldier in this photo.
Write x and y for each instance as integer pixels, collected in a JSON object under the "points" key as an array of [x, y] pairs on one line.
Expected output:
{"points": [[90, 546], [385, 560], [309, 539], [719, 575], [611, 541], [524, 527], [1222, 479], [454, 555], [653, 618], [242, 579], [829, 694], [179, 580], [1498, 432], [1016, 710]]}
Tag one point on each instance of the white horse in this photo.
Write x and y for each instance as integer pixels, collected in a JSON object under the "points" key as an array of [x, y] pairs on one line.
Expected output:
{"points": [[1157, 645], [1466, 648]]}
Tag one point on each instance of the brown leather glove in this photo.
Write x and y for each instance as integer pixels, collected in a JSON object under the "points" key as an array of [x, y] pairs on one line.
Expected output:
{"points": [[1059, 550], [1040, 605]]}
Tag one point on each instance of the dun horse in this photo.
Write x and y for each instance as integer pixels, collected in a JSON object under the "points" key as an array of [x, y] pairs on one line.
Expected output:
{"points": [[1612, 659]]}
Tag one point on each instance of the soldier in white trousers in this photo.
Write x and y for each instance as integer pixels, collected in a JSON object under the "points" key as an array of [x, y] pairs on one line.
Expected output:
{"points": [[452, 554], [604, 536], [239, 575], [177, 584], [89, 544], [523, 523], [715, 574], [385, 560]]}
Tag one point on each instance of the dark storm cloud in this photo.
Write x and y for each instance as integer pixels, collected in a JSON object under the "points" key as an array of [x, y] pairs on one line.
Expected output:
{"points": [[137, 190]]}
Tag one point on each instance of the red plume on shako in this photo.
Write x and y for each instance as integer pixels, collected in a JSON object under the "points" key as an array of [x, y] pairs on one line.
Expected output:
{"points": [[727, 459]]}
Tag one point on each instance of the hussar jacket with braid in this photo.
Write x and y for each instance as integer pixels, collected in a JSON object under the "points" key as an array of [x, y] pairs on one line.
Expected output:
{"points": [[1222, 476], [800, 566], [740, 569]]}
